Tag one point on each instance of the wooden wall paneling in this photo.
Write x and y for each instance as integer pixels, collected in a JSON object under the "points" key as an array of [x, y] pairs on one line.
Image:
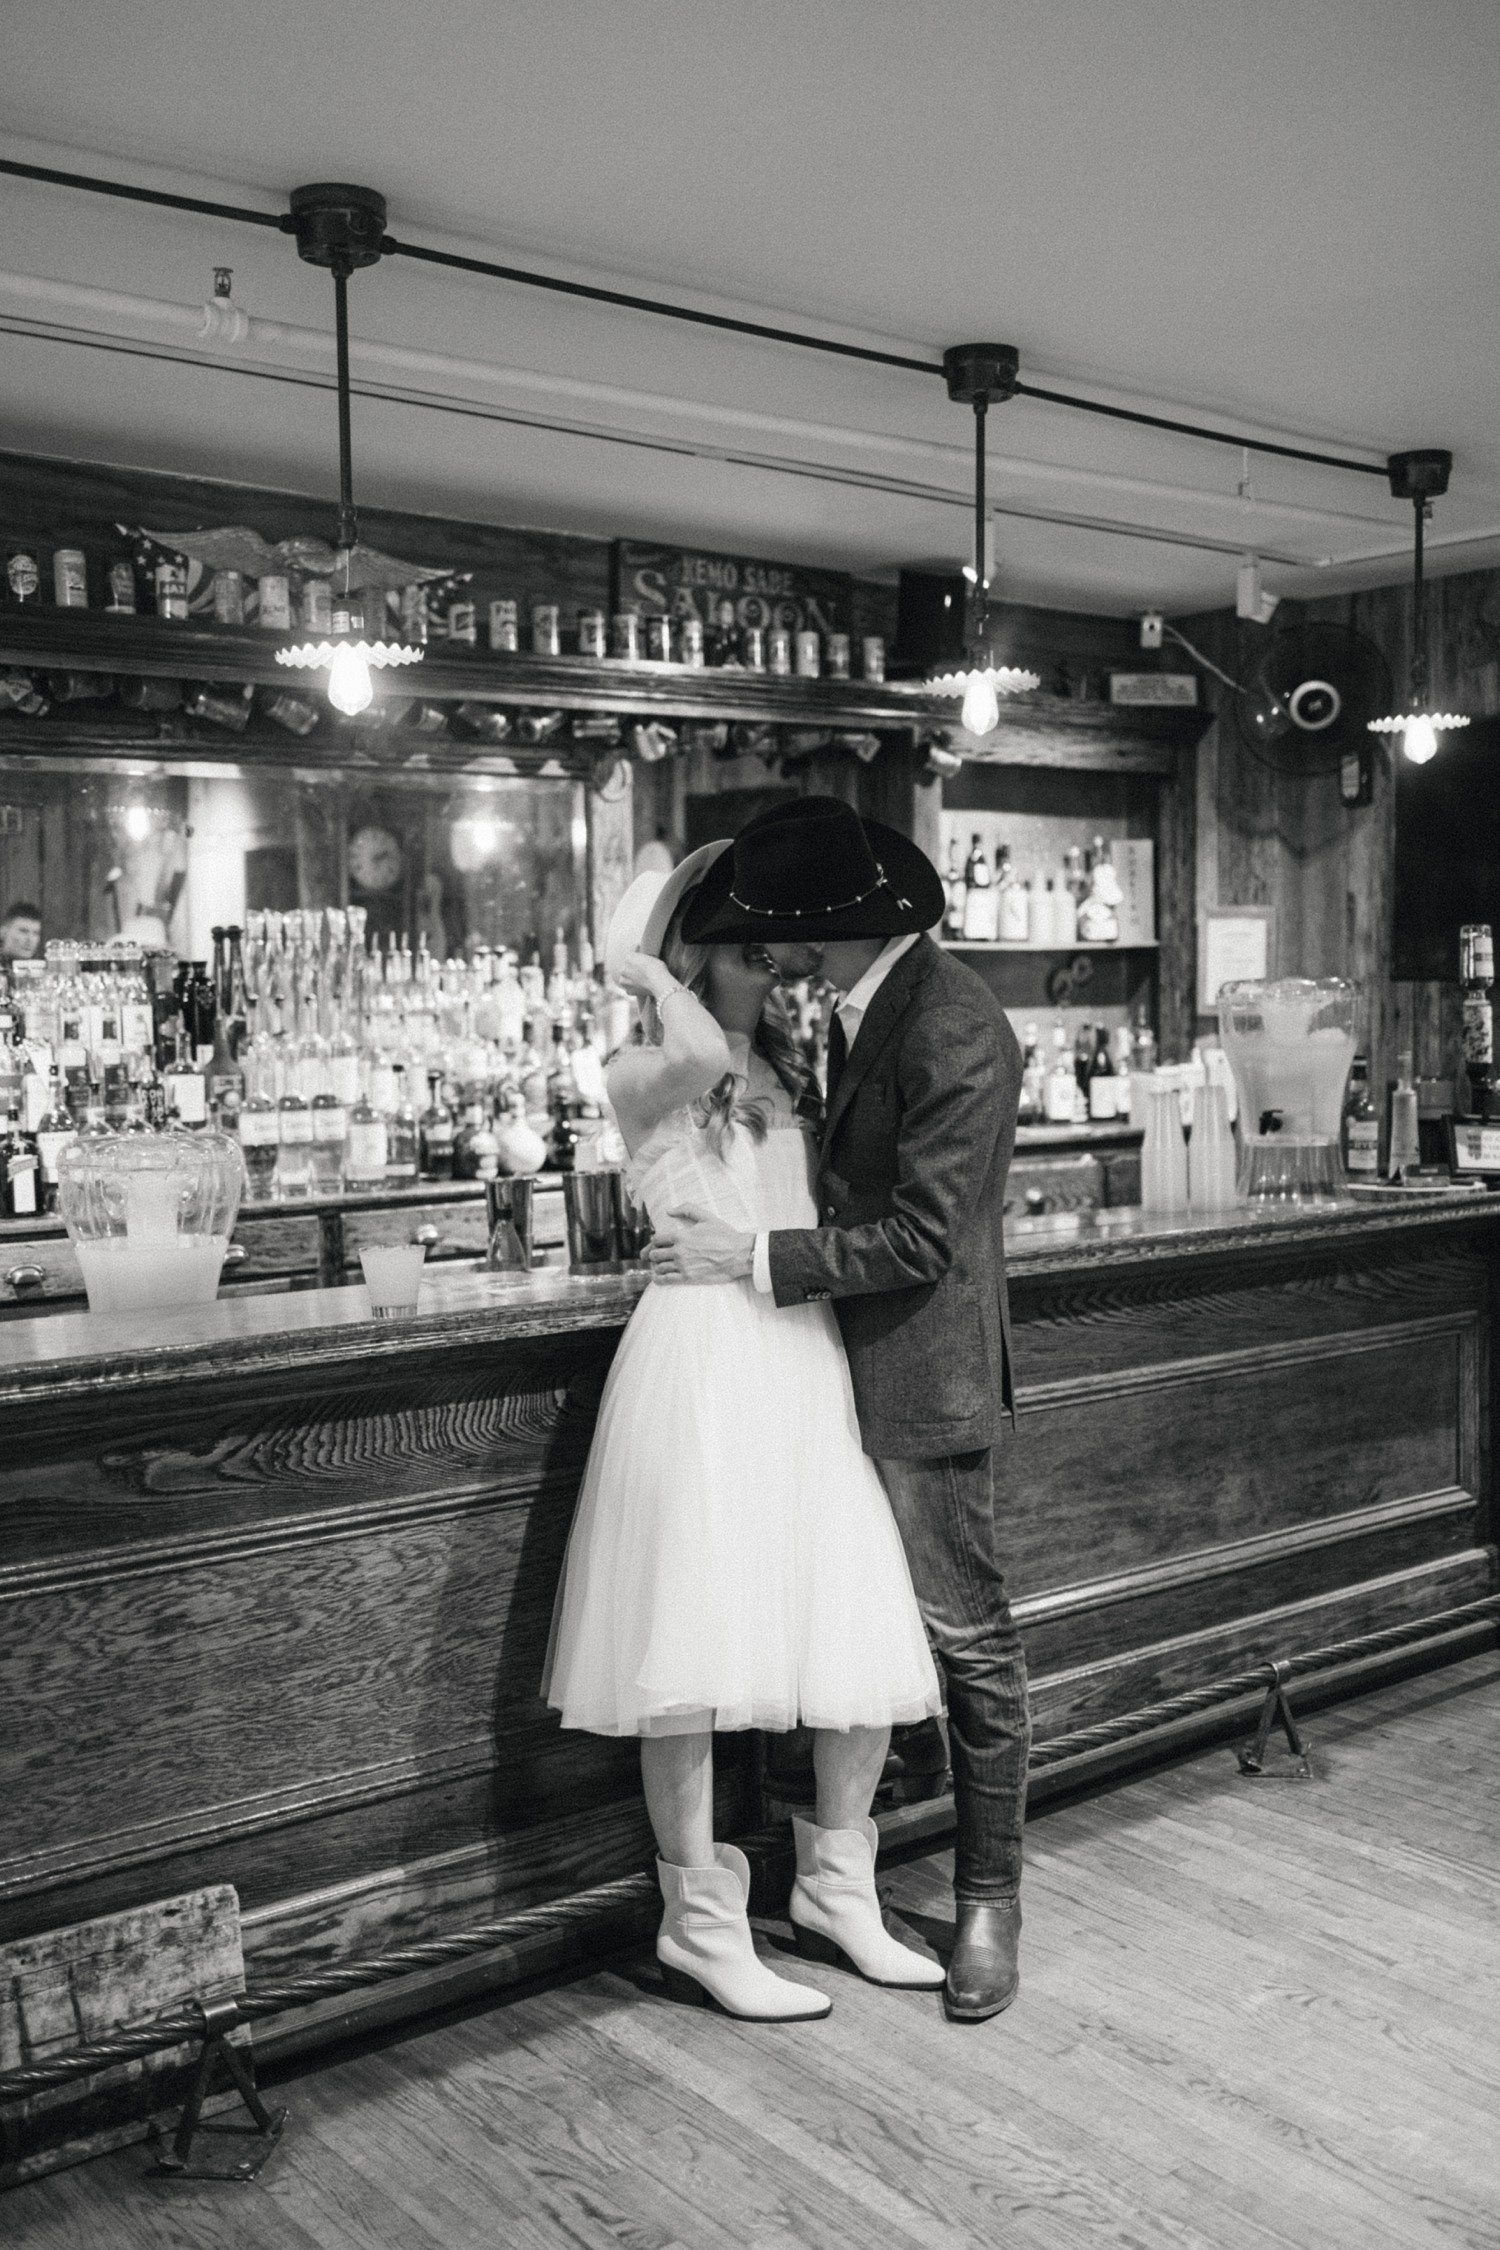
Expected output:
{"points": [[1329, 870], [1213, 1586], [1079, 1696]]}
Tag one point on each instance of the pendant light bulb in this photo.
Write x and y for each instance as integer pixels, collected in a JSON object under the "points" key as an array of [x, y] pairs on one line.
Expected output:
{"points": [[981, 706], [1419, 738], [349, 686]]}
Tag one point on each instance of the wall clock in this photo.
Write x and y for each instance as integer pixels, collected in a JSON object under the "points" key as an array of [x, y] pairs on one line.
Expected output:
{"points": [[375, 859]]}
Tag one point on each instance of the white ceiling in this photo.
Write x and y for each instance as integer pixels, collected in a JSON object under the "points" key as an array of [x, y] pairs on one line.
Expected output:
{"points": [[1279, 216]]}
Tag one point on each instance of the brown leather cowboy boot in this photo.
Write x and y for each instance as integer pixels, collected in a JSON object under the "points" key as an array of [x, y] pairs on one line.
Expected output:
{"points": [[983, 1976]]}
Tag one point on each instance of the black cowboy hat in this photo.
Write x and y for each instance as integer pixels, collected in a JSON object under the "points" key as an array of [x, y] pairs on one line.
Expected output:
{"points": [[815, 869]]}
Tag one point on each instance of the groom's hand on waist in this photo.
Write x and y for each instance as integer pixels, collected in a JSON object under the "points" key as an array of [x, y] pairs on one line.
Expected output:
{"points": [[694, 1248]]}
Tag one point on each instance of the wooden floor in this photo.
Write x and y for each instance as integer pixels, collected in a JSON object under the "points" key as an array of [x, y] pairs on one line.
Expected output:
{"points": [[1251, 2013]]}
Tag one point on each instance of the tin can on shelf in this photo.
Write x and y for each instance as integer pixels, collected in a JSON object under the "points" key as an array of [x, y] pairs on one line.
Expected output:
{"points": [[428, 718], [1476, 953], [294, 712], [779, 651], [625, 635], [229, 597], [122, 588], [317, 605], [23, 578], [70, 580], [505, 626], [753, 647], [872, 656], [546, 629], [276, 603], [690, 643], [171, 590], [838, 656], [659, 639], [414, 614], [591, 632], [463, 623], [809, 656]]}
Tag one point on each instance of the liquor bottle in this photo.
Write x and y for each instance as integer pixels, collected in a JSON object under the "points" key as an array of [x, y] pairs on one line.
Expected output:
{"points": [[1403, 1151], [186, 1088], [202, 1011], [234, 999], [1013, 905], [953, 911], [1033, 1081], [365, 1146], [1142, 1046], [437, 1133], [1064, 915], [981, 921], [1062, 1080], [260, 1137], [56, 1132], [1476, 970], [154, 1113], [1123, 1067], [1361, 1126], [401, 1136], [1083, 1056], [484, 1148], [1099, 908], [1102, 1086], [117, 1097], [293, 1145], [20, 1165], [330, 1128]]}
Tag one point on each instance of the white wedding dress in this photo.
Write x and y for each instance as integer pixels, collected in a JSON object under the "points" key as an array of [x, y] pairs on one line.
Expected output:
{"points": [[733, 1560]]}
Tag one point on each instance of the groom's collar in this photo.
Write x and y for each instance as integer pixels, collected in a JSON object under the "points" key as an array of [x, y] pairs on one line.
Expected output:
{"points": [[856, 1000]]}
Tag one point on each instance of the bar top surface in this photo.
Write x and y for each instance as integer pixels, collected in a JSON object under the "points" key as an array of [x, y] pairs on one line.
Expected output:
{"points": [[77, 1354]]}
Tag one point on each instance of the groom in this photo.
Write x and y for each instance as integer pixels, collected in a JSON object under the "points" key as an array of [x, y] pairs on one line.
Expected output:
{"points": [[924, 1078]]}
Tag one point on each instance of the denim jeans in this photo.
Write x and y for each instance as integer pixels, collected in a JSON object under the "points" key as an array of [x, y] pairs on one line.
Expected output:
{"points": [[945, 1512]]}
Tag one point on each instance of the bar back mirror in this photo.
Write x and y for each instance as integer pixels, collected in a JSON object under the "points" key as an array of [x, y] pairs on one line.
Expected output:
{"points": [[162, 852]]}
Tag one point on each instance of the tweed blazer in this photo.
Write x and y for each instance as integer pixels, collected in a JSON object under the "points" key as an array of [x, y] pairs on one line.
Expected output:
{"points": [[911, 1198]]}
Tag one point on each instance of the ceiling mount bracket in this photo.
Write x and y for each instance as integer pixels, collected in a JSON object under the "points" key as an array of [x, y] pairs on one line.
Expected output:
{"points": [[977, 373], [1420, 475], [338, 226]]}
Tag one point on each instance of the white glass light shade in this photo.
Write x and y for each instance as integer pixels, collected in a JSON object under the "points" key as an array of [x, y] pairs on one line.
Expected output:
{"points": [[981, 687], [348, 663], [1419, 731]]}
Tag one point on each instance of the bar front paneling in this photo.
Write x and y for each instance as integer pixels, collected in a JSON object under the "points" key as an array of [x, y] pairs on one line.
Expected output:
{"points": [[277, 1580]]}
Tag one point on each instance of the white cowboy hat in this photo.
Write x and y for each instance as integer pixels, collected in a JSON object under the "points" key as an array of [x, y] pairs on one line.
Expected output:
{"points": [[639, 923]]}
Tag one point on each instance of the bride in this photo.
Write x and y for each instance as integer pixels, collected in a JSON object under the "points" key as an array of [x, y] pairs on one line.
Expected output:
{"points": [[733, 1560]]}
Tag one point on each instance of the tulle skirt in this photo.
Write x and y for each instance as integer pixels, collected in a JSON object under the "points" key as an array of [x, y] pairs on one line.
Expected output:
{"points": [[733, 1560]]}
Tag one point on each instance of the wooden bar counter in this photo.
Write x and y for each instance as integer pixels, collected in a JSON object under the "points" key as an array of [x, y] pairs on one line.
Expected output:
{"points": [[275, 1578]]}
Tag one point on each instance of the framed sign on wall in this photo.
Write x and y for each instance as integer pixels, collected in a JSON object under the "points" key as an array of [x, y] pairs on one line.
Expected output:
{"points": [[1234, 943], [684, 582]]}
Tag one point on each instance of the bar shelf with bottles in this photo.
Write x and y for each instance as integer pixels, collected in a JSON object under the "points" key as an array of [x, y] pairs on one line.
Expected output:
{"points": [[345, 1070]]}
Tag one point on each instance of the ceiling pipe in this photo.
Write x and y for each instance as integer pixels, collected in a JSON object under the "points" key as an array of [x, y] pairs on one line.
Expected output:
{"points": [[225, 326]]}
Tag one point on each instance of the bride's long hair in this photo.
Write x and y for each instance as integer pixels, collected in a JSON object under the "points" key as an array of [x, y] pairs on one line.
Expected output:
{"points": [[725, 1105]]}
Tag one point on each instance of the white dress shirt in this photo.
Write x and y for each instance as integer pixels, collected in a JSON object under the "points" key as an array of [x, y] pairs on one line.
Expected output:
{"points": [[851, 1011]]}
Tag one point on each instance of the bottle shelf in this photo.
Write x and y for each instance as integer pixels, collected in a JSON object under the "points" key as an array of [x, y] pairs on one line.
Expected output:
{"points": [[1012, 945]]}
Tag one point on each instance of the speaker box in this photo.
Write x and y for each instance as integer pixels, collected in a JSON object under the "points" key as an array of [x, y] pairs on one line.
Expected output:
{"points": [[930, 611]]}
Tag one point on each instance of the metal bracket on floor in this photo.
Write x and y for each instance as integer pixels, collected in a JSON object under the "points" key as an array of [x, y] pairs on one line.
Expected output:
{"points": [[1276, 1711], [175, 2159]]}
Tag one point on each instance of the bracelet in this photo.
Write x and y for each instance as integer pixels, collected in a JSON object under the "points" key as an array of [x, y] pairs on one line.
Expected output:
{"points": [[672, 995]]}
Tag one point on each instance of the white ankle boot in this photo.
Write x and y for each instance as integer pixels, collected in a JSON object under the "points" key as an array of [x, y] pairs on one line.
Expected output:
{"points": [[836, 1914], [705, 1948]]}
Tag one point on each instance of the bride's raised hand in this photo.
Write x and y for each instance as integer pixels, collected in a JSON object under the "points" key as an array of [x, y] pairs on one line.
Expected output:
{"points": [[646, 977]]}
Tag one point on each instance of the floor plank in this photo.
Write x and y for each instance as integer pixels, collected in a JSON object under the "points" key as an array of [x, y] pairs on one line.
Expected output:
{"points": [[1254, 2016]]}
